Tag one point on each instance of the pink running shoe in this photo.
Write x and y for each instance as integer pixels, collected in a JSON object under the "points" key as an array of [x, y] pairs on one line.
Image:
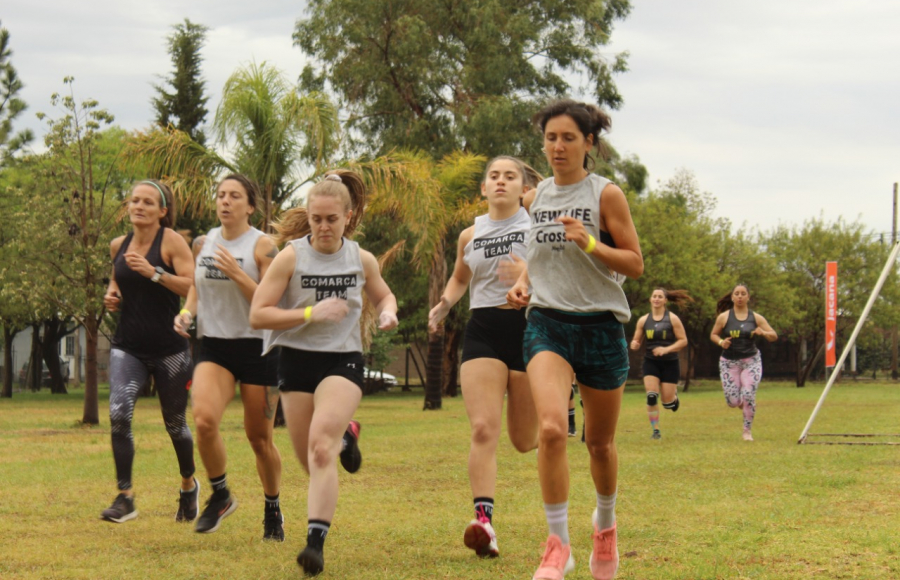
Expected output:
{"points": [[556, 562], [480, 536], [605, 555]]}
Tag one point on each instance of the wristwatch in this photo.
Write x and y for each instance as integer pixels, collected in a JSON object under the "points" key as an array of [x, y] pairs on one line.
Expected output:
{"points": [[159, 274]]}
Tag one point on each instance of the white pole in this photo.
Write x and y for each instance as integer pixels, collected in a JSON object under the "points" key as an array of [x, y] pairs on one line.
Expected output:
{"points": [[850, 343]]}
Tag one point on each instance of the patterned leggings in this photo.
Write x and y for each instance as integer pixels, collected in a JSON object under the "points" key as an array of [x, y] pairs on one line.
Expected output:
{"points": [[740, 378], [127, 375]]}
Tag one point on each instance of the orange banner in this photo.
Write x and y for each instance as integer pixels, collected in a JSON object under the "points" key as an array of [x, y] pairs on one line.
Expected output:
{"points": [[830, 312]]}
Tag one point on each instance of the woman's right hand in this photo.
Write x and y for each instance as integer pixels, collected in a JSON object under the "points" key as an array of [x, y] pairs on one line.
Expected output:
{"points": [[329, 310], [111, 301], [183, 323], [635, 345], [437, 314], [518, 295], [726, 343]]}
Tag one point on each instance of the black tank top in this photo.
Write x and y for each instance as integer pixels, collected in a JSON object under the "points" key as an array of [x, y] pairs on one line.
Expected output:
{"points": [[659, 333], [742, 341], [148, 309]]}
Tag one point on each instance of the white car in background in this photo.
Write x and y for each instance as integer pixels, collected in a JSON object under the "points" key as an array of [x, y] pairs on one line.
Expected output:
{"points": [[372, 375]]}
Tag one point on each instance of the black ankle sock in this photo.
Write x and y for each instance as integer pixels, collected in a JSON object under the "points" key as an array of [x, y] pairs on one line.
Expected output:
{"points": [[571, 417], [316, 532], [219, 484], [272, 502], [484, 507]]}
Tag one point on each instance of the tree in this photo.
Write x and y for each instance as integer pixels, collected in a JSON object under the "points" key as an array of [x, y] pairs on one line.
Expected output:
{"points": [[69, 219], [445, 76], [801, 253], [277, 137], [185, 106]]}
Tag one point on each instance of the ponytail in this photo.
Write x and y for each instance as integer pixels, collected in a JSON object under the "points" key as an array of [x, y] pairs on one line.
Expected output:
{"points": [[342, 184]]}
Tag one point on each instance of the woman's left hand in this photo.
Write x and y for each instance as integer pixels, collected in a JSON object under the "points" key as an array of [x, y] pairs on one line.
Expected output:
{"points": [[659, 351], [139, 264]]}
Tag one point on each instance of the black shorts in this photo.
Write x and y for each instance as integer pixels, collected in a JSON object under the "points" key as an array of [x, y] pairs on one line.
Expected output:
{"points": [[302, 370], [243, 358], [667, 371], [495, 333]]}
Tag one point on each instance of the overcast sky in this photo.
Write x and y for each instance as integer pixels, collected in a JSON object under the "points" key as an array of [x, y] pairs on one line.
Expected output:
{"points": [[783, 109]]}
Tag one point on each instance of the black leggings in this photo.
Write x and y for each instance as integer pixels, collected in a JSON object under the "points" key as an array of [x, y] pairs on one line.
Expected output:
{"points": [[127, 373]]}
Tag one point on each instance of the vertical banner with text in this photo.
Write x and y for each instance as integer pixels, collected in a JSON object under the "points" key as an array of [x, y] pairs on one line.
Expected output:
{"points": [[830, 312]]}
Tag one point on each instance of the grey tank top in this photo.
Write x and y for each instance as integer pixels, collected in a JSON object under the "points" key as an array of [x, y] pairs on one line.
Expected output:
{"points": [[316, 277], [493, 242], [563, 276], [222, 310]]}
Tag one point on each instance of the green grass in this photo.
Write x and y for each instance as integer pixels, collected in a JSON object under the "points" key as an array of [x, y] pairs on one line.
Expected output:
{"points": [[699, 504]]}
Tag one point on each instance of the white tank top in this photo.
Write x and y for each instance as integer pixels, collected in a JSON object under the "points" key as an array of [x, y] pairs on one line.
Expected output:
{"points": [[316, 277], [563, 276], [222, 310], [493, 242]]}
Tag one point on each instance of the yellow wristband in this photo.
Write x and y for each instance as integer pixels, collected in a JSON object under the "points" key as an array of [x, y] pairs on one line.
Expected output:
{"points": [[307, 313], [721, 340], [186, 311], [592, 243]]}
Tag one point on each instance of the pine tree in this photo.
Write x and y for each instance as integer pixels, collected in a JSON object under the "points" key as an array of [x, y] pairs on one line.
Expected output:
{"points": [[185, 106]]}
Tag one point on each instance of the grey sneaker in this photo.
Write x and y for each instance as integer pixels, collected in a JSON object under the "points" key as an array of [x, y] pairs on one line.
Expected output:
{"points": [[188, 502], [121, 510]]}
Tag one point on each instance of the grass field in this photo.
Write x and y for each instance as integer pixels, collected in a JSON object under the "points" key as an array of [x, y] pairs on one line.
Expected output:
{"points": [[699, 504]]}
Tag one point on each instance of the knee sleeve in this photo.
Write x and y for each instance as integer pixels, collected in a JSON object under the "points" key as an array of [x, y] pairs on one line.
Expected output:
{"points": [[652, 398], [672, 406]]}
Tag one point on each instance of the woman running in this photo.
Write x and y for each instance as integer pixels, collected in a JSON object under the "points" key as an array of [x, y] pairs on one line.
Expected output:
{"points": [[665, 337], [740, 366], [233, 259], [489, 258], [152, 268], [581, 236], [311, 300]]}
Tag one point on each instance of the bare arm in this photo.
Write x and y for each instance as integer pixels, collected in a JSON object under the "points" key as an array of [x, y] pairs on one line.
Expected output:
{"points": [[456, 285], [763, 328], [112, 298], [264, 310], [378, 292], [681, 340], [715, 335], [639, 332], [179, 255], [518, 295]]}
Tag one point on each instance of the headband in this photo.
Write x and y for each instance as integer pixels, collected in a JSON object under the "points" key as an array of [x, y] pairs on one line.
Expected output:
{"points": [[334, 177], [162, 196]]}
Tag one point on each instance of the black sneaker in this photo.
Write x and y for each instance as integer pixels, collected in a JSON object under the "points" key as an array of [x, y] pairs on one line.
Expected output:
{"points": [[351, 458], [673, 406], [217, 508], [121, 510], [188, 502], [273, 526], [311, 560], [656, 434]]}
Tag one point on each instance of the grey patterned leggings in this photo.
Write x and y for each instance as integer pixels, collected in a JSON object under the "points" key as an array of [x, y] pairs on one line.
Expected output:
{"points": [[740, 379], [127, 374]]}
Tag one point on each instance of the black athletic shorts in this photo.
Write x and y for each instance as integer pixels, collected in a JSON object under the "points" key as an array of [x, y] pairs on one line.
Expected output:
{"points": [[495, 333], [243, 358], [302, 370], [667, 371]]}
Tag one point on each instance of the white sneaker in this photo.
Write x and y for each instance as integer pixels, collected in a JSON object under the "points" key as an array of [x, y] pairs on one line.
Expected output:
{"points": [[480, 536]]}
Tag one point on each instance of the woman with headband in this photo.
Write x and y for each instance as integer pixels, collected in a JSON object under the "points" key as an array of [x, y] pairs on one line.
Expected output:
{"points": [[311, 300], [152, 268]]}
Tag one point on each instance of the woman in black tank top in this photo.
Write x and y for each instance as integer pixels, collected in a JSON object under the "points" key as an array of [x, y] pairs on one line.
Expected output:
{"points": [[664, 335], [152, 269], [740, 366]]}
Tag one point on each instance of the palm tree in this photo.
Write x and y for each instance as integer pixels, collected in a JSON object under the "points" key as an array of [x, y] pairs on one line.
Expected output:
{"points": [[433, 201], [274, 135]]}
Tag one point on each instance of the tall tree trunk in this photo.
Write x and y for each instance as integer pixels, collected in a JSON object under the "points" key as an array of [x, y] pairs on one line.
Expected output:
{"points": [[452, 337], [434, 371], [77, 363], [804, 372], [9, 333], [33, 376], [692, 357], [53, 332], [91, 412]]}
